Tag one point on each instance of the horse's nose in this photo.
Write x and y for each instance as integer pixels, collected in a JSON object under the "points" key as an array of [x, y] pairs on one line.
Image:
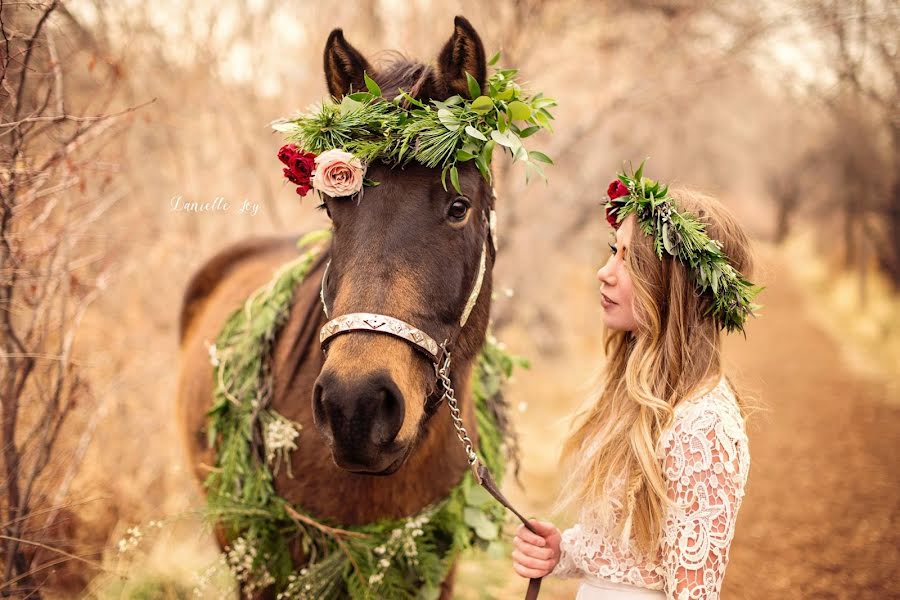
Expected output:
{"points": [[362, 415]]}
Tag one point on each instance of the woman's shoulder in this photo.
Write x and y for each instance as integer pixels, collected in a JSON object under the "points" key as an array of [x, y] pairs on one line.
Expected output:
{"points": [[709, 419]]}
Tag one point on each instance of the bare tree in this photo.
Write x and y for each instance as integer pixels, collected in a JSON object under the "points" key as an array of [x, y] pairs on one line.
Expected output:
{"points": [[50, 274], [862, 152]]}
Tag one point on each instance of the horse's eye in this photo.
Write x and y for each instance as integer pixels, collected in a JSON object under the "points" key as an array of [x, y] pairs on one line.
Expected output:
{"points": [[458, 210]]}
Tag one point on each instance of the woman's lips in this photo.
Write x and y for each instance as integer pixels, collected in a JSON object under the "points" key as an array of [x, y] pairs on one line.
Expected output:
{"points": [[606, 301]]}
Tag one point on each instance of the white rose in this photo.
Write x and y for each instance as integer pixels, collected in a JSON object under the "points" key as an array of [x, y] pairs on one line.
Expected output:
{"points": [[338, 173]]}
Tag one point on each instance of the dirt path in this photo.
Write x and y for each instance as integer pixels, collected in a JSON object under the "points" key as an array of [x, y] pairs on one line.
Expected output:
{"points": [[821, 518]]}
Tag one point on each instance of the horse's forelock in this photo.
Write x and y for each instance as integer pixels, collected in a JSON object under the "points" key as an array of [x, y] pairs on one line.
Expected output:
{"points": [[396, 72]]}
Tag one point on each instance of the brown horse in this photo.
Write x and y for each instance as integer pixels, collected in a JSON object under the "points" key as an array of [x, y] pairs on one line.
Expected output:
{"points": [[369, 447]]}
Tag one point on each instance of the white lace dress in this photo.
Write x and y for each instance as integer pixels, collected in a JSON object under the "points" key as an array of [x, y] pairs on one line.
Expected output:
{"points": [[706, 460]]}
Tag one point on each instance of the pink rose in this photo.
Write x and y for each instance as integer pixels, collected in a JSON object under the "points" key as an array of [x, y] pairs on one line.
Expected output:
{"points": [[338, 173]]}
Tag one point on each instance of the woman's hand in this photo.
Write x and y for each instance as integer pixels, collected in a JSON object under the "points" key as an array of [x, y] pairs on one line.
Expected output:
{"points": [[536, 555]]}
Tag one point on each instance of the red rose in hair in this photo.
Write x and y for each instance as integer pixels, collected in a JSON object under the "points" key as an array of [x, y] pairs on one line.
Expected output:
{"points": [[300, 167], [611, 216], [616, 189]]}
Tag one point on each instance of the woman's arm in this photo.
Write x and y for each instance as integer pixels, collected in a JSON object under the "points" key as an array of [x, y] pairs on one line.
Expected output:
{"points": [[706, 465]]}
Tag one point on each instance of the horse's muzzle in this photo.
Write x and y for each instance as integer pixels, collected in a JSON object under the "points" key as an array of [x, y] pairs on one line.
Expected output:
{"points": [[360, 417]]}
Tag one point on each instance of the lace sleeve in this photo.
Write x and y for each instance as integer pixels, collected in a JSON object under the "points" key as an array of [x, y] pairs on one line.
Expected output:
{"points": [[566, 567], [705, 463]]}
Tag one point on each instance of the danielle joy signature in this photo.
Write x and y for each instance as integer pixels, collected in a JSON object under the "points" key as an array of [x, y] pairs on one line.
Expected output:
{"points": [[217, 205]]}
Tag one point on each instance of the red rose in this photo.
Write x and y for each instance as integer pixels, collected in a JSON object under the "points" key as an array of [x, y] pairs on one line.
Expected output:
{"points": [[616, 189], [300, 167], [611, 216], [290, 176], [286, 152], [303, 164]]}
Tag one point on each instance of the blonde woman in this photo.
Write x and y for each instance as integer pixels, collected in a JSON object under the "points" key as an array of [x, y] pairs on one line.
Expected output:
{"points": [[657, 466]]}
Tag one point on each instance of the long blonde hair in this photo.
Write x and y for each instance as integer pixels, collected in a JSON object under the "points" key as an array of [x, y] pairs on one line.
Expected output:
{"points": [[674, 354]]}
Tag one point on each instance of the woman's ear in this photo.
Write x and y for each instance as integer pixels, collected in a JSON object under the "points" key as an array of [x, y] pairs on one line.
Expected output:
{"points": [[463, 53], [344, 66]]}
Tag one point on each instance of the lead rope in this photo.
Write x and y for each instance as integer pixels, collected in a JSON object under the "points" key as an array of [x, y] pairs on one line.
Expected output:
{"points": [[481, 472]]}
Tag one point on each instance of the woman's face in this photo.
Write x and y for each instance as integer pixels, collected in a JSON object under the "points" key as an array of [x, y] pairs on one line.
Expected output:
{"points": [[616, 292]]}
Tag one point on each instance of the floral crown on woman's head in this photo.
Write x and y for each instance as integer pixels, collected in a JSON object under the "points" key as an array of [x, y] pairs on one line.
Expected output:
{"points": [[331, 145], [684, 237]]}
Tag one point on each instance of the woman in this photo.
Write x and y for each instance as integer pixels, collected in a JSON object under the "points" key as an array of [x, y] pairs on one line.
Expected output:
{"points": [[657, 466]]}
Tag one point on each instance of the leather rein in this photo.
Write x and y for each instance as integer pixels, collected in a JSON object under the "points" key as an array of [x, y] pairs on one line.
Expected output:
{"points": [[440, 356]]}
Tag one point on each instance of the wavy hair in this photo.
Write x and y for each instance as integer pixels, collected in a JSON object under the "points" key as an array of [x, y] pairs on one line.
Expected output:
{"points": [[673, 354]]}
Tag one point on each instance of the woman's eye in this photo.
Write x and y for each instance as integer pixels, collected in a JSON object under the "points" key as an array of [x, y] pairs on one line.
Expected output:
{"points": [[324, 206], [613, 248], [458, 210]]}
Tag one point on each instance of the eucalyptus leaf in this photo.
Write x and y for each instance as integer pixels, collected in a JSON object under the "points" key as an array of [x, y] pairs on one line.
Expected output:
{"points": [[474, 86], [448, 120], [666, 239], [494, 59], [542, 120], [454, 179], [283, 126], [475, 133], [488, 151], [506, 95], [502, 139], [478, 520], [371, 85], [540, 157], [482, 104], [519, 111]]}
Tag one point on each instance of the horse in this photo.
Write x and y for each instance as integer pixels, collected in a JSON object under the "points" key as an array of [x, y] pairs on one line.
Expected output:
{"points": [[371, 444]]}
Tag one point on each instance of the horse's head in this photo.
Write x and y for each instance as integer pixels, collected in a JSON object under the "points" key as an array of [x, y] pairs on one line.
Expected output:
{"points": [[408, 249]]}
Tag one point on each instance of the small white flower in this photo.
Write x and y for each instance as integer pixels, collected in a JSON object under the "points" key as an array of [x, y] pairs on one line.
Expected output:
{"points": [[213, 356], [280, 437]]}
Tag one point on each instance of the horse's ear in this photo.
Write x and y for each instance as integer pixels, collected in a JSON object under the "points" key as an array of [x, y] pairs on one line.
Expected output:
{"points": [[463, 53], [344, 66]]}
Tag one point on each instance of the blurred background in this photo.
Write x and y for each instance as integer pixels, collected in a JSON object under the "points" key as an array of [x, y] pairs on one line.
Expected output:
{"points": [[787, 111]]}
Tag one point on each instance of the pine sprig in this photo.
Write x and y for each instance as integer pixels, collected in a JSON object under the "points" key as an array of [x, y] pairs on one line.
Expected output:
{"points": [[683, 236], [437, 134], [398, 558]]}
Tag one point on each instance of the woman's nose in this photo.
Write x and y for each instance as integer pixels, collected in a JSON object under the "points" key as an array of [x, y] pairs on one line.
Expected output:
{"points": [[606, 275]]}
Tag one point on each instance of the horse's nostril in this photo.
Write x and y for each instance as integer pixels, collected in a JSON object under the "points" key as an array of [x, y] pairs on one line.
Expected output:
{"points": [[320, 415], [389, 412]]}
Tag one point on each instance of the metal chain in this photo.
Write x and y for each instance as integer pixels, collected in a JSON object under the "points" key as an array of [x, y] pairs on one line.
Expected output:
{"points": [[461, 433]]}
